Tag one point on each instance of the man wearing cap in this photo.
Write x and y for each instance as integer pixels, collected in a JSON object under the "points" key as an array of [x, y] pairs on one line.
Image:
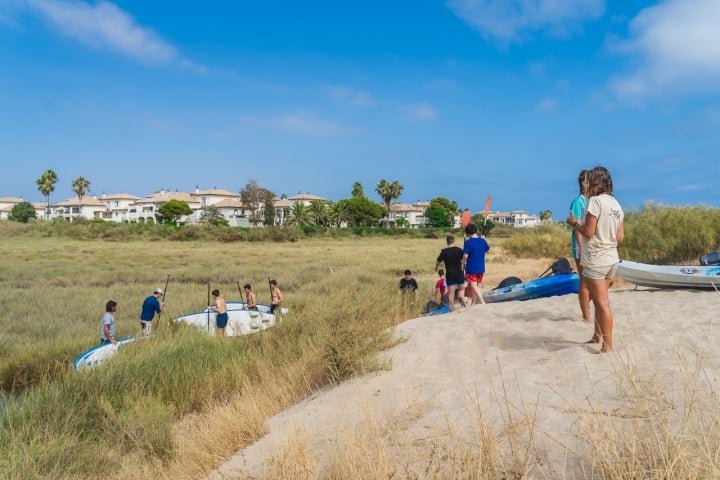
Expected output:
{"points": [[150, 307]]}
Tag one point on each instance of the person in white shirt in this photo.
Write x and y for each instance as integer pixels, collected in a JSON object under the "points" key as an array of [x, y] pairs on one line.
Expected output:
{"points": [[602, 230]]}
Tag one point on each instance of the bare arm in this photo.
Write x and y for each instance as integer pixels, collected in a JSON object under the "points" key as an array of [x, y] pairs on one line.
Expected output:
{"points": [[586, 229], [620, 234]]}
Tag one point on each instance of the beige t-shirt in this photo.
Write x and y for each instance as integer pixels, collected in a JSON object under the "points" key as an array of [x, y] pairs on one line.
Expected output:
{"points": [[601, 249]]}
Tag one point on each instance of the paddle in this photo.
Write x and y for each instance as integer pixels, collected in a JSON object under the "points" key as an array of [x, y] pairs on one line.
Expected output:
{"points": [[488, 200], [162, 300], [464, 221], [208, 309], [242, 300]]}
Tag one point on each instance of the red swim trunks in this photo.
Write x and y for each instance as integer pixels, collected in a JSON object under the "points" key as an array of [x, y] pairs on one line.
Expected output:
{"points": [[474, 278]]}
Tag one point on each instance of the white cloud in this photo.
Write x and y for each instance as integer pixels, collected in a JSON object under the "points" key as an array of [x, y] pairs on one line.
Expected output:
{"points": [[351, 96], [301, 123], [508, 21], [547, 104], [422, 111], [105, 26], [676, 48]]}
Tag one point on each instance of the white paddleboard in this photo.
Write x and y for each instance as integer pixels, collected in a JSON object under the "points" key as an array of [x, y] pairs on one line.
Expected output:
{"points": [[99, 353], [240, 322]]}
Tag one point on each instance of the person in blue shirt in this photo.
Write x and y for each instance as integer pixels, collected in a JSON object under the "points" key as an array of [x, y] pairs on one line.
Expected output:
{"points": [[474, 261], [150, 307], [577, 210]]}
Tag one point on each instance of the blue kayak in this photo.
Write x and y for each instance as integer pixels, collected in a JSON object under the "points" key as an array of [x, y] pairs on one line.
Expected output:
{"points": [[440, 310], [550, 286]]}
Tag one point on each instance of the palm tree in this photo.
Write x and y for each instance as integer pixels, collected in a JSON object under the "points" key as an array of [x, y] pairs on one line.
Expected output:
{"points": [[545, 215], [357, 190], [389, 192], [46, 185], [319, 212], [300, 215], [80, 186], [339, 214]]}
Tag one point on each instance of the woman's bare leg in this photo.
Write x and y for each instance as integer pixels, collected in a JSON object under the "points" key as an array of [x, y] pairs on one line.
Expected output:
{"points": [[603, 313], [584, 296]]}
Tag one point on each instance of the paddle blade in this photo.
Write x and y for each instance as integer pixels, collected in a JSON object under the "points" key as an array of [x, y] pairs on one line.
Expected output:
{"points": [[465, 218], [488, 200]]}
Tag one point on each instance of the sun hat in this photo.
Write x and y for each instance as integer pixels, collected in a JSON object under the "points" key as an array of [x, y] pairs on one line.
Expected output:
{"points": [[158, 290]]}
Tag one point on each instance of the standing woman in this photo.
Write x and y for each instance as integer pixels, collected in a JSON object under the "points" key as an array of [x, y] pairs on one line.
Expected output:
{"points": [[601, 230]]}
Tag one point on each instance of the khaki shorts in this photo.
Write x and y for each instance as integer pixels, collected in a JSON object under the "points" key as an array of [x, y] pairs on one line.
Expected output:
{"points": [[600, 273]]}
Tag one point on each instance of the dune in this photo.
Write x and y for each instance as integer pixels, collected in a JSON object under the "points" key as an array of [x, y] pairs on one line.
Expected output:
{"points": [[511, 388]]}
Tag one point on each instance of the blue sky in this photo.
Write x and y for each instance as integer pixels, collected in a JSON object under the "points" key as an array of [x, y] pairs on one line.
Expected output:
{"points": [[459, 99]]}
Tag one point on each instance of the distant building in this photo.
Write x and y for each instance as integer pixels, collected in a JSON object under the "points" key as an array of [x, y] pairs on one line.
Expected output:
{"points": [[6, 206], [516, 218], [145, 209], [117, 206], [88, 207], [414, 214]]}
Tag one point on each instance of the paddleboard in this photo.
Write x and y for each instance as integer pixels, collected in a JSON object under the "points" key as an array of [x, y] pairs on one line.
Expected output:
{"points": [[240, 322], [99, 353]]}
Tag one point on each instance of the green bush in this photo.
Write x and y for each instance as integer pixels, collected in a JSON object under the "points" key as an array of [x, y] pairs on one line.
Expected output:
{"points": [[547, 240], [655, 234], [670, 234]]}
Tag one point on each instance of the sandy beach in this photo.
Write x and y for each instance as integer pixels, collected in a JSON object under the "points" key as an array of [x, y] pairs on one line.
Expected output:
{"points": [[511, 385]]}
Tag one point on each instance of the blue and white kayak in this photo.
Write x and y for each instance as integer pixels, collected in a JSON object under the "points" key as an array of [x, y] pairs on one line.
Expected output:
{"points": [[442, 309], [550, 286], [670, 276], [99, 353]]}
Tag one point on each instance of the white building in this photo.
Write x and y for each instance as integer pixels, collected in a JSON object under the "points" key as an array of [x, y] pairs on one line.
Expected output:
{"points": [[117, 206], [516, 218], [414, 214], [6, 206], [88, 207], [144, 209]]}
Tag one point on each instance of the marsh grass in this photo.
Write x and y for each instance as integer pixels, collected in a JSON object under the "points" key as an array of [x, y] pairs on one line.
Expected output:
{"points": [[127, 415]]}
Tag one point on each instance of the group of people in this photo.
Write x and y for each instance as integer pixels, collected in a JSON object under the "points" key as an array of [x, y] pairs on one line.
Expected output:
{"points": [[153, 305], [464, 270], [597, 221], [596, 218]]}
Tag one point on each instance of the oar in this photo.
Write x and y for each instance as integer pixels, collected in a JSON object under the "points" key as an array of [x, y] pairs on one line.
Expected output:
{"points": [[167, 281], [242, 300], [464, 220], [208, 309], [271, 294]]}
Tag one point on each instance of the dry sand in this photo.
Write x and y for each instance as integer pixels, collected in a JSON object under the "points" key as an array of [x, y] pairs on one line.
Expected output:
{"points": [[522, 364]]}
